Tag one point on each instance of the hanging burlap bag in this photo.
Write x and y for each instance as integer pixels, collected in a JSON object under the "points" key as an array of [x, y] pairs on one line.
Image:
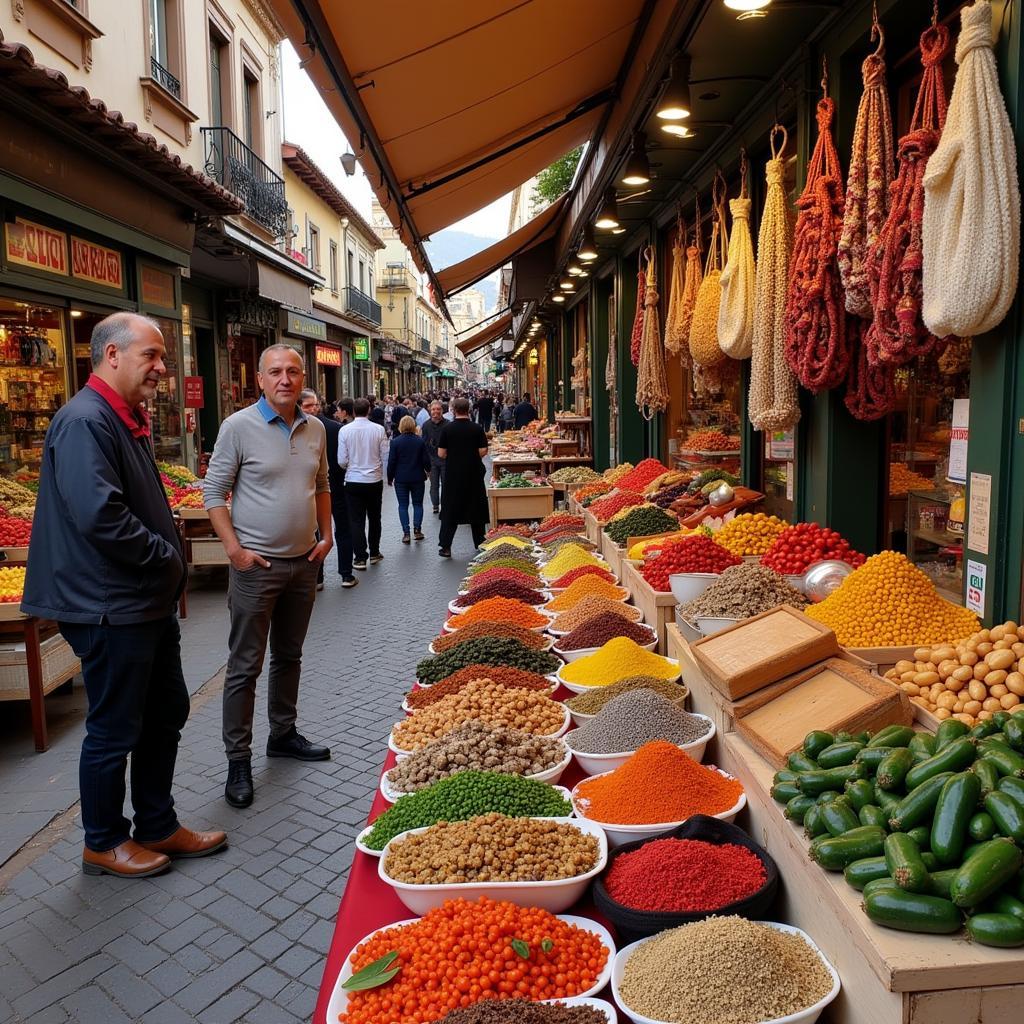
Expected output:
{"points": [[651, 385], [704, 347], [739, 281], [675, 338]]}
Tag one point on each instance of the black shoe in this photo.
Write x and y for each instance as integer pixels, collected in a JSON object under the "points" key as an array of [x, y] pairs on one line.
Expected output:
{"points": [[349, 581], [360, 564], [437, 511], [406, 539], [238, 789], [374, 559], [293, 744], [444, 552], [418, 534]]}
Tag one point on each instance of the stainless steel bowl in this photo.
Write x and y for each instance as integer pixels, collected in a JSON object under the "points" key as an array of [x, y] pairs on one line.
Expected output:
{"points": [[822, 578]]}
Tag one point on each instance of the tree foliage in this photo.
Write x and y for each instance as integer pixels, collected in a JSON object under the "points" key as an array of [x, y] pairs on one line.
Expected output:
{"points": [[554, 181]]}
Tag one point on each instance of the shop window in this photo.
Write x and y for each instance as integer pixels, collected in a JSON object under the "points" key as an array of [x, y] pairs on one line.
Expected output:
{"points": [[165, 408], [33, 383]]}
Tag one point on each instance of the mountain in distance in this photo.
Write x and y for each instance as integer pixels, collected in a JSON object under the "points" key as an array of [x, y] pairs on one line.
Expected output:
{"points": [[448, 247]]}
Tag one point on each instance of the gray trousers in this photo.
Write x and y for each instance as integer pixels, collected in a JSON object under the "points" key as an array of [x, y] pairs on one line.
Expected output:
{"points": [[436, 479], [275, 602]]}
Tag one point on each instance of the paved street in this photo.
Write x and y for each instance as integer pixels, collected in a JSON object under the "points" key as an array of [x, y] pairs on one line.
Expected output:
{"points": [[242, 935]]}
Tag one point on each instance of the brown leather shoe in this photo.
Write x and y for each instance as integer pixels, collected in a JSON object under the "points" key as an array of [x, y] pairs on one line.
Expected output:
{"points": [[183, 842], [129, 860]]}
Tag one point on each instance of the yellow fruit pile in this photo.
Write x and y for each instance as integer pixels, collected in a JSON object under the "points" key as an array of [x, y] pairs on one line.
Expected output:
{"points": [[902, 480], [12, 584], [888, 602], [750, 534], [641, 547], [617, 472]]}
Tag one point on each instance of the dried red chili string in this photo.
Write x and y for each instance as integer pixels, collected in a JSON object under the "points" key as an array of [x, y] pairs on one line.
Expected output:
{"points": [[638, 317], [870, 390]]}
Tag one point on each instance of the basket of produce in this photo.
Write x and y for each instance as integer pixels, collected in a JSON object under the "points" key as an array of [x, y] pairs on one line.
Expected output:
{"points": [[584, 706], [695, 554], [705, 866]]}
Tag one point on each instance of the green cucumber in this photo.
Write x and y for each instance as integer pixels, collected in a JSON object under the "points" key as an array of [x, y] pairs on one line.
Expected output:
{"points": [[981, 827], [838, 818], [1012, 787], [1003, 930], [798, 761], [949, 730], [815, 742], [917, 807], [985, 871], [867, 869], [986, 771], [957, 802], [1007, 814], [1014, 733], [833, 853], [1004, 903], [798, 807], [892, 736], [912, 912], [955, 756], [784, 775], [839, 754], [861, 738], [922, 836], [844, 737], [828, 796], [939, 882], [997, 742], [872, 757], [783, 792], [814, 824], [817, 781], [1016, 887], [1008, 762], [894, 768], [872, 814], [887, 801], [859, 793], [880, 883], [1001, 718], [922, 746], [903, 858], [983, 729]]}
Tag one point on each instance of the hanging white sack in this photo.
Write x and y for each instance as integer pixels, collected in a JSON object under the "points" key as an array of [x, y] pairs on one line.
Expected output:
{"points": [[739, 283], [971, 229]]}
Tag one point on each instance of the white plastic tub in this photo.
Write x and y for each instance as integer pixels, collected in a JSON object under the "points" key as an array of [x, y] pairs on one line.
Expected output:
{"points": [[688, 586], [582, 652], [552, 735], [710, 624], [600, 764], [808, 1016], [553, 896], [579, 688]]}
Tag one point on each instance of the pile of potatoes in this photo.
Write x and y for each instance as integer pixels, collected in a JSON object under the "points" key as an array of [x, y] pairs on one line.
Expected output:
{"points": [[970, 680]]}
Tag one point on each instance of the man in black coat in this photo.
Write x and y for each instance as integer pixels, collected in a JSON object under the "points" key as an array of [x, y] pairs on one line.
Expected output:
{"points": [[376, 411], [525, 413], [485, 409], [336, 475], [106, 564]]}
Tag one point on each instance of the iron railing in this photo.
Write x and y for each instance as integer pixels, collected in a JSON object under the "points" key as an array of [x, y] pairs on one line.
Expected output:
{"points": [[440, 351], [359, 302], [424, 343], [232, 163], [164, 78]]}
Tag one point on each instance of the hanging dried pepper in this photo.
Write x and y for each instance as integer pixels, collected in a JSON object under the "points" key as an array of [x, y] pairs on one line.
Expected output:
{"points": [[638, 317], [817, 349], [897, 333], [870, 390]]}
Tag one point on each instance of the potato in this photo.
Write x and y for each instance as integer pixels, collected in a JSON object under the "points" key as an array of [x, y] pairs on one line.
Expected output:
{"points": [[958, 706], [926, 678], [942, 713], [922, 654], [935, 689], [1016, 708], [981, 670], [972, 707], [941, 654], [997, 690], [984, 716], [1018, 649], [946, 700], [947, 667], [977, 689], [920, 701], [903, 666], [969, 658], [996, 681], [912, 688], [991, 704], [984, 648], [968, 720], [997, 633], [952, 684], [999, 659], [908, 677], [965, 673], [1015, 683], [1009, 700]]}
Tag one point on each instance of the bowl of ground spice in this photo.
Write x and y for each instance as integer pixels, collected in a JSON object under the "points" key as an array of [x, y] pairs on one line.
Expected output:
{"points": [[583, 706], [516, 1011], [499, 588], [590, 606], [596, 632], [616, 659]]}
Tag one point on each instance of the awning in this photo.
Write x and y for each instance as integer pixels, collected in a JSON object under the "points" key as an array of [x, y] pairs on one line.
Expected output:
{"points": [[460, 275], [486, 335], [450, 110], [277, 286]]}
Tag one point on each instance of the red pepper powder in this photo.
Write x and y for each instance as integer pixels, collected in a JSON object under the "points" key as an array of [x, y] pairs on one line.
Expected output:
{"points": [[678, 875]]}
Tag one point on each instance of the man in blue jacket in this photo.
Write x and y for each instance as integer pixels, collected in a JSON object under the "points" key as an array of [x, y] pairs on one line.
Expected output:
{"points": [[106, 564]]}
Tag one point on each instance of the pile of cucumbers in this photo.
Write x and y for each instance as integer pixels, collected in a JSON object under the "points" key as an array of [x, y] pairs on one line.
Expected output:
{"points": [[929, 827]]}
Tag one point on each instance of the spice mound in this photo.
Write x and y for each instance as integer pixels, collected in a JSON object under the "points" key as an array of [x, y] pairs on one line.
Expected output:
{"points": [[499, 609], [520, 563], [561, 960], [586, 586], [504, 630], [584, 570], [657, 785], [725, 970], [633, 719], [591, 606], [617, 659], [464, 796], [591, 702], [744, 590], [515, 678], [501, 588], [509, 1011], [487, 701], [492, 848], [569, 556], [684, 875], [505, 549], [486, 651], [489, 575], [476, 745], [602, 628], [750, 534], [517, 542]]}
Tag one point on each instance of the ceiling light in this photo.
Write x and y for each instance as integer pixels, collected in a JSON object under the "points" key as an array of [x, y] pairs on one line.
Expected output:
{"points": [[675, 102], [588, 247], [557, 298], [76, 313], [747, 6], [574, 270], [608, 218], [566, 285], [680, 131], [638, 168], [620, 230]]}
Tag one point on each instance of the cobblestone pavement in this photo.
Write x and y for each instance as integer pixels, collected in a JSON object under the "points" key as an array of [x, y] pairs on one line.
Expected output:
{"points": [[242, 935]]}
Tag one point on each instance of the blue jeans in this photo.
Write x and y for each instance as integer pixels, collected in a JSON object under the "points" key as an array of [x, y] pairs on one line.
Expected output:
{"points": [[403, 492]]}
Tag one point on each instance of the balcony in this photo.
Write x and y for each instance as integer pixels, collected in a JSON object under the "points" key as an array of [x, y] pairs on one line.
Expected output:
{"points": [[164, 77], [232, 163], [423, 343], [440, 351], [398, 279], [360, 303]]}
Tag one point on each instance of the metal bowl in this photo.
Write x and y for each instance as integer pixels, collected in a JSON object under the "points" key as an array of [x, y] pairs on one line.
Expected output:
{"points": [[822, 578]]}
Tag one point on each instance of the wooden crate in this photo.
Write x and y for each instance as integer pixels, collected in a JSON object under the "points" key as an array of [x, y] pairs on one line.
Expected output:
{"points": [[208, 551], [592, 526], [514, 503], [612, 553], [659, 609], [18, 554], [882, 659], [763, 649], [58, 662]]}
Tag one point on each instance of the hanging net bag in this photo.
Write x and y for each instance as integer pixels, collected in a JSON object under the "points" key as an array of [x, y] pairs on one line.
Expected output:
{"points": [[692, 277], [638, 317], [739, 279], [897, 334], [971, 229], [704, 347], [651, 385], [772, 399], [675, 338]]}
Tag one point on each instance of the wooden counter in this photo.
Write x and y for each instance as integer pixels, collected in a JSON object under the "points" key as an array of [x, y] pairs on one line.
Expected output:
{"points": [[516, 503]]}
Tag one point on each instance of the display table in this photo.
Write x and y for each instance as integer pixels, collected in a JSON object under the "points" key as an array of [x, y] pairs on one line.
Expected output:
{"points": [[552, 463], [514, 503], [202, 545], [578, 429], [659, 608], [507, 464]]}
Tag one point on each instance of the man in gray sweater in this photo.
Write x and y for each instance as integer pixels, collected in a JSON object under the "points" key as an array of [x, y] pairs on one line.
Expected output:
{"points": [[272, 459]]}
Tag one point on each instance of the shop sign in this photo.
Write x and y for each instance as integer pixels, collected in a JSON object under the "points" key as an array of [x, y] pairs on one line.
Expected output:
{"points": [[96, 264], [194, 393], [957, 472], [35, 246], [304, 326], [976, 586], [781, 445], [361, 350], [328, 355], [979, 510], [157, 288]]}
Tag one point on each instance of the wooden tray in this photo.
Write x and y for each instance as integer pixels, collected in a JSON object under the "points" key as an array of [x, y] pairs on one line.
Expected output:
{"points": [[763, 649], [883, 658], [17, 554], [833, 695]]}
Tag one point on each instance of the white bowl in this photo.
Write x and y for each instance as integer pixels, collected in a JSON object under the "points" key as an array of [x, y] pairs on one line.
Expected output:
{"points": [[689, 629], [579, 718], [551, 735], [709, 624], [582, 652], [561, 790], [550, 775], [796, 582], [578, 688], [688, 586], [339, 997], [619, 834], [808, 1016], [553, 896], [599, 764]]}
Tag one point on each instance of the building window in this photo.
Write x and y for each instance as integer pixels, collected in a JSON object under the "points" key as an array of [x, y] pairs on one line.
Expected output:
{"points": [[220, 88], [314, 246], [369, 291], [334, 267], [165, 46], [349, 275], [362, 277], [251, 110]]}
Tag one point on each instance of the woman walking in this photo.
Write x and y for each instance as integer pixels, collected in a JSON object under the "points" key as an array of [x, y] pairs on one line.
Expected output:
{"points": [[408, 469]]}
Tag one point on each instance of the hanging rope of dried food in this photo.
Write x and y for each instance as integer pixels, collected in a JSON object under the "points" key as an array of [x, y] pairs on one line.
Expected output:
{"points": [[704, 347], [772, 399], [638, 316], [897, 333], [675, 339], [651, 385], [817, 348], [692, 277], [739, 279]]}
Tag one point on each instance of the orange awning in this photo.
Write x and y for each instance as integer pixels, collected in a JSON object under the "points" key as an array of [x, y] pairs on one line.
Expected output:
{"points": [[460, 275], [486, 335]]}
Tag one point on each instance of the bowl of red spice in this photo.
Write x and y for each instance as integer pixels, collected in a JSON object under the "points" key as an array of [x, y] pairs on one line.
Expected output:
{"points": [[705, 866]]}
